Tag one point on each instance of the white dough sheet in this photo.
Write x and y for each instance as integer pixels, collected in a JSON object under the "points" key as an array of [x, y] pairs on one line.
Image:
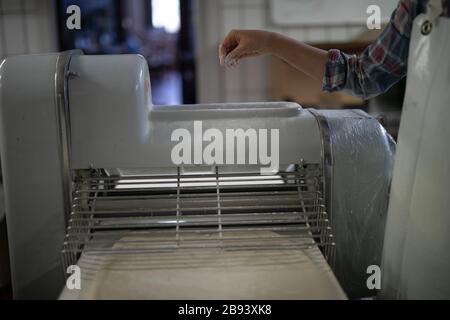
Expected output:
{"points": [[205, 274]]}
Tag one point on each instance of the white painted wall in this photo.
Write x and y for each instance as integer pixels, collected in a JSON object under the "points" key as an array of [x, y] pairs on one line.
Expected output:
{"points": [[327, 12], [27, 26], [250, 81]]}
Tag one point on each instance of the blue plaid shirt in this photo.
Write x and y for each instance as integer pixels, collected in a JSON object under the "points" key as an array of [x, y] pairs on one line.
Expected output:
{"points": [[383, 63]]}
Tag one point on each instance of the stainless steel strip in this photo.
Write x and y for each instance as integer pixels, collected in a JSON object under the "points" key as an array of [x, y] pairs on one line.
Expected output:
{"points": [[278, 193], [191, 224], [197, 188], [288, 228], [189, 176], [217, 237], [294, 246], [125, 182], [195, 209], [63, 118]]}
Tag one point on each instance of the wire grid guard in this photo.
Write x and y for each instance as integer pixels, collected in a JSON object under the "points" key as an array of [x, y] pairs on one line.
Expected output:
{"points": [[159, 213]]}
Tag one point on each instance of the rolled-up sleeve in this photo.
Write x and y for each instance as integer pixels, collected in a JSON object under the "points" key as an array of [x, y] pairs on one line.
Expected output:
{"points": [[380, 65], [336, 70]]}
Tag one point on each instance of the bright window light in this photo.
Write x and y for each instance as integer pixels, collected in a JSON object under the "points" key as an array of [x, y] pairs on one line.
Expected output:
{"points": [[166, 14]]}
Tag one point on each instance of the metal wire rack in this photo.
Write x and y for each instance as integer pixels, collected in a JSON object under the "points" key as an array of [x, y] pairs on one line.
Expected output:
{"points": [[227, 211]]}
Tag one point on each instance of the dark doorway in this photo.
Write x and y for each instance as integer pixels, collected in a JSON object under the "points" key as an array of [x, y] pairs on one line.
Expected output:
{"points": [[160, 30]]}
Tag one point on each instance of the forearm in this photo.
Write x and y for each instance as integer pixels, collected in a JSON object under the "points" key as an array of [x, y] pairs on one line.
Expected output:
{"points": [[301, 56]]}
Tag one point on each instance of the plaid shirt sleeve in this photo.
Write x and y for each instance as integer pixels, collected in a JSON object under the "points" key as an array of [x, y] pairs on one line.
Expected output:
{"points": [[382, 64]]}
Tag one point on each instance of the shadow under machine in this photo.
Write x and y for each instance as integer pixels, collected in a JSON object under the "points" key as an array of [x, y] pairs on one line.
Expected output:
{"points": [[90, 181]]}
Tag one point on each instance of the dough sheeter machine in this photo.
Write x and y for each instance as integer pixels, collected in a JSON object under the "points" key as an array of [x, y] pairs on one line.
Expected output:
{"points": [[89, 181]]}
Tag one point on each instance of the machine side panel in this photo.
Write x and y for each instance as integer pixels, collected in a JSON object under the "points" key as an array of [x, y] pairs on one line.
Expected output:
{"points": [[32, 174]]}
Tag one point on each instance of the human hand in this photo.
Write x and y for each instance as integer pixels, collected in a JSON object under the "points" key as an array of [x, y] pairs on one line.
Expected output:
{"points": [[239, 44]]}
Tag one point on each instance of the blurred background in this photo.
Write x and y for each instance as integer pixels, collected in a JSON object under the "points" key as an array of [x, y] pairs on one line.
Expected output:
{"points": [[179, 39]]}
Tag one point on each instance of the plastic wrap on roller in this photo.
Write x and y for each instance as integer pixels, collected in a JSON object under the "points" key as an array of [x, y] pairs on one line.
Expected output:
{"points": [[362, 161]]}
